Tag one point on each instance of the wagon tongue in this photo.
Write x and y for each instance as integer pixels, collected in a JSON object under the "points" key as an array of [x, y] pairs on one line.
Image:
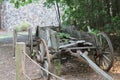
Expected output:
{"points": [[97, 69]]}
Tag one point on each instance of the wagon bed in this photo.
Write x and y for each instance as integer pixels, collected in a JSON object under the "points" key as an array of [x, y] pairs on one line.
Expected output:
{"points": [[51, 46]]}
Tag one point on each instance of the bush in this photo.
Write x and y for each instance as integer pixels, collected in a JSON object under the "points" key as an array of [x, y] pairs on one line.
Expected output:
{"points": [[23, 26]]}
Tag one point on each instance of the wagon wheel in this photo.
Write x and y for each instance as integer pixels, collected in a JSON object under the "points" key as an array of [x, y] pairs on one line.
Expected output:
{"points": [[44, 57], [104, 56]]}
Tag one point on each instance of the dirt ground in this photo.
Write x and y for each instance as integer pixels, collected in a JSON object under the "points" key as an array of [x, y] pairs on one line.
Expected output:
{"points": [[71, 70]]}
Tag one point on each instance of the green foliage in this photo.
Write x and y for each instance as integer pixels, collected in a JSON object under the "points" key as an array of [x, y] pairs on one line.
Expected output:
{"points": [[63, 35], [77, 11], [19, 3], [23, 26], [94, 31], [0, 1], [116, 24], [57, 67], [33, 53], [93, 13]]}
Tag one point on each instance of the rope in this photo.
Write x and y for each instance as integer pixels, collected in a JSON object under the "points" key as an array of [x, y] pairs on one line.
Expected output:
{"points": [[44, 68], [26, 76]]}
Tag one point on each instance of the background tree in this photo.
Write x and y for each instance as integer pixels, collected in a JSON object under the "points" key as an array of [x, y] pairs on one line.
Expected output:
{"points": [[98, 14]]}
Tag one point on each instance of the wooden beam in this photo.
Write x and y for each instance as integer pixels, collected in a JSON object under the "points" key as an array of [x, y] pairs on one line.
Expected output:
{"points": [[20, 60], [94, 66]]}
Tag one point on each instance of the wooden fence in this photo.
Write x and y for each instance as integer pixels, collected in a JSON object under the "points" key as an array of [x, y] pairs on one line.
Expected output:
{"points": [[20, 56]]}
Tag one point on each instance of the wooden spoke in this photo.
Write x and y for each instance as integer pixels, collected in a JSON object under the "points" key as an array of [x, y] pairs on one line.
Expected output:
{"points": [[104, 57]]}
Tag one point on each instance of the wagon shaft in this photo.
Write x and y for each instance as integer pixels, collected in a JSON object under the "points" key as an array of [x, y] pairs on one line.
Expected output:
{"points": [[84, 55]]}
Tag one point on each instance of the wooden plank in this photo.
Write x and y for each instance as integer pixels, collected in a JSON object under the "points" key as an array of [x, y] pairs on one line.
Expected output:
{"points": [[80, 48], [20, 60], [30, 40], [48, 37], [94, 66], [72, 44], [42, 33], [54, 40]]}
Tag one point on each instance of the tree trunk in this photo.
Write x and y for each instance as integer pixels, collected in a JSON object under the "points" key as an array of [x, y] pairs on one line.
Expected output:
{"points": [[107, 2], [118, 6], [115, 7], [100, 16]]}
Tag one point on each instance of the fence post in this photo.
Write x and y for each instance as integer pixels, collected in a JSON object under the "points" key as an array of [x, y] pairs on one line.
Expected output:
{"points": [[14, 40], [20, 60]]}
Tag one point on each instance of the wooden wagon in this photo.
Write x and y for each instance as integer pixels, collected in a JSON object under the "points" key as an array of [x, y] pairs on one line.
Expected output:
{"points": [[52, 45]]}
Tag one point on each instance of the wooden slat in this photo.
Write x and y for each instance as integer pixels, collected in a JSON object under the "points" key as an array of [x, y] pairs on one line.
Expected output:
{"points": [[54, 39]]}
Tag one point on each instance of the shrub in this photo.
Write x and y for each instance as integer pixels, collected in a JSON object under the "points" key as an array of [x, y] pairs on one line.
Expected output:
{"points": [[23, 26]]}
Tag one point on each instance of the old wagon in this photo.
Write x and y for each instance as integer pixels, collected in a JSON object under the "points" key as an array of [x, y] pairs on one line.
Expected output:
{"points": [[51, 45]]}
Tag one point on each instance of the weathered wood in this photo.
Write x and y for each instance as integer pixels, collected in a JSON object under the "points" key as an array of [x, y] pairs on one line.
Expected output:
{"points": [[42, 33], [20, 60], [92, 65], [75, 43], [79, 34], [14, 41], [30, 40], [81, 48], [48, 37], [72, 31], [54, 39]]}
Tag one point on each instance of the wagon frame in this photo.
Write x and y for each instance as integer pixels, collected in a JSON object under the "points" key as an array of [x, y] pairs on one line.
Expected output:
{"points": [[49, 47]]}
